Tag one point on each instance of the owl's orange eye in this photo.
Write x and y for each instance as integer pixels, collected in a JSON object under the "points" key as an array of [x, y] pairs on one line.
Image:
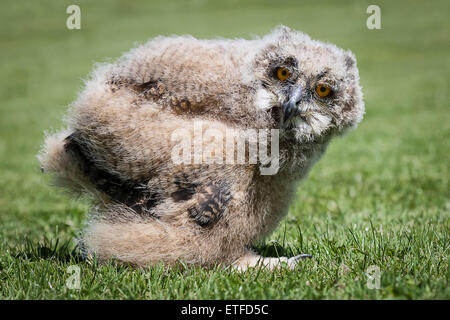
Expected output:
{"points": [[323, 90], [283, 73]]}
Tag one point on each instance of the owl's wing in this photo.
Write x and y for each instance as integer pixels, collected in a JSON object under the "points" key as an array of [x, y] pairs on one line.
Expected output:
{"points": [[210, 202], [122, 123], [132, 192], [199, 192]]}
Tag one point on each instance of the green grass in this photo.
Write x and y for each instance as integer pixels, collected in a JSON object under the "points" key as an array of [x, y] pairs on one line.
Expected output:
{"points": [[380, 196]]}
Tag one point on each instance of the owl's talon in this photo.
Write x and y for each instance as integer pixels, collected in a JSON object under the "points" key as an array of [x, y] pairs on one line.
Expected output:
{"points": [[294, 261], [299, 257]]}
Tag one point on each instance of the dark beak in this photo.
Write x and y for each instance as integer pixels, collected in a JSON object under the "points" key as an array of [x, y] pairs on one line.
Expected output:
{"points": [[290, 108]]}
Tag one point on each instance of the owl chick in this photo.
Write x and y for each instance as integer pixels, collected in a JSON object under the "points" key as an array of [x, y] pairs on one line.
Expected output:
{"points": [[122, 136]]}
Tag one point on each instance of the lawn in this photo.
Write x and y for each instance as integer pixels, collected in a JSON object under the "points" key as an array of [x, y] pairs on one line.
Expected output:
{"points": [[379, 197]]}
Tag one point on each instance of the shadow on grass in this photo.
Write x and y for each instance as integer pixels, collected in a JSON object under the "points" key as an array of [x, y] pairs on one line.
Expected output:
{"points": [[54, 249], [49, 250], [274, 249]]}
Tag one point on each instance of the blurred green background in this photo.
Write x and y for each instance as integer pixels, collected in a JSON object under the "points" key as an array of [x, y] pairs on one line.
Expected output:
{"points": [[382, 190]]}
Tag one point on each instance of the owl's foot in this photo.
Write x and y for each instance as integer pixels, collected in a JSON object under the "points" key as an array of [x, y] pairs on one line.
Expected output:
{"points": [[253, 260], [299, 257]]}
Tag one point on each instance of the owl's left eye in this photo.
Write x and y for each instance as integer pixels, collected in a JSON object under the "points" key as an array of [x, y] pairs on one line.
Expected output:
{"points": [[323, 90], [283, 73]]}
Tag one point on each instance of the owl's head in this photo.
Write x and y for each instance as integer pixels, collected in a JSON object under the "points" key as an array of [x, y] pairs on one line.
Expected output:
{"points": [[311, 87]]}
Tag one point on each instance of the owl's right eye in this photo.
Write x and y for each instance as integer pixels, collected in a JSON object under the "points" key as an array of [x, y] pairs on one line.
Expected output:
{"points": [[283, 73]]}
